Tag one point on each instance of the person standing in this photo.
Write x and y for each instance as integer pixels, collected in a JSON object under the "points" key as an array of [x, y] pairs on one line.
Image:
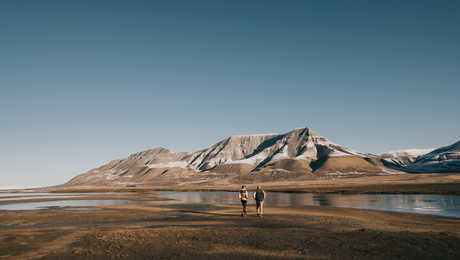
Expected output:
{"points": [[259, 196], [243, 195]]}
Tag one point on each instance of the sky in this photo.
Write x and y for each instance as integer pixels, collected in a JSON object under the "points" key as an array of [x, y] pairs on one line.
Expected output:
{"points": [[86, 82]]}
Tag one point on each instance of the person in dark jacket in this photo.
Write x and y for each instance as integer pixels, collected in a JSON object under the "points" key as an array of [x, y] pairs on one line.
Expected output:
{"points": [[244, 195], [259, 196]]}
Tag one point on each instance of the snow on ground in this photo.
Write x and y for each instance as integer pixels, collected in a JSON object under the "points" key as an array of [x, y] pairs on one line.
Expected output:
{"points": [[110, 177], [339, 153], [283, 154], [309, 153], [406, 152], [251, 160], [173, 164]]}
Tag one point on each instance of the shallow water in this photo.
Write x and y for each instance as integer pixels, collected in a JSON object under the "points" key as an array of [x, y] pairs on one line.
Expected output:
{"points": [[29, 197], [8, 194], [440, 205], [66, 203], [11, 197]]}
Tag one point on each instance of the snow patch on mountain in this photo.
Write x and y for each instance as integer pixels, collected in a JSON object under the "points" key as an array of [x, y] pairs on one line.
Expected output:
{"points": [[444, 159], [252, 160], [172, 164], [340, 153], [406, 152]]}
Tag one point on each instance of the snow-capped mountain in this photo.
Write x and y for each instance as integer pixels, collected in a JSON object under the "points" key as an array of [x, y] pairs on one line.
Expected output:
{"points": [[402, 158], [298, 153], [261, 150], [444, 159]]}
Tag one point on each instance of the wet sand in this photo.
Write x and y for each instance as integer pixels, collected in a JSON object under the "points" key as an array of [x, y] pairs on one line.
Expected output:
{"points": [[204, 231]]}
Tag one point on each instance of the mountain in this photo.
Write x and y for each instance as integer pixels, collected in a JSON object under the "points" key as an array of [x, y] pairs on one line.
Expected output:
{"points": [[402, 158], [298, 154], [444, 159]]}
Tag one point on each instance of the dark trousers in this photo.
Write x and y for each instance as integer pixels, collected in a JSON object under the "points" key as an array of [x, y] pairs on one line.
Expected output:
{"points": [[244, 202]]}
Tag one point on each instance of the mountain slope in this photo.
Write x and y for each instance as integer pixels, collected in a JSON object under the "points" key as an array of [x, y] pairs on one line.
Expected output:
{"points": [[139, 167]]}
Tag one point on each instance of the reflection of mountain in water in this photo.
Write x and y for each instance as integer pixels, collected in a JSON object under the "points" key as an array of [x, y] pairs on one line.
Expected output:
{"points": [[443, 205]]}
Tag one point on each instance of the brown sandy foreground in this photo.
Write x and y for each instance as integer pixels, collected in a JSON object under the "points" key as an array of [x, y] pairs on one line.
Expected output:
{"points": [[200, 231]]}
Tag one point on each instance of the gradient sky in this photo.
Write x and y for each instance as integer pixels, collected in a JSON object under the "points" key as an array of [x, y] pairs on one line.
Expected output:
{"points": [[82, 83]]}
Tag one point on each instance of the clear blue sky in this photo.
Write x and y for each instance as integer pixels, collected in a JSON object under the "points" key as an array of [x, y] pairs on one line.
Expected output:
{"points": [[83, 83]]}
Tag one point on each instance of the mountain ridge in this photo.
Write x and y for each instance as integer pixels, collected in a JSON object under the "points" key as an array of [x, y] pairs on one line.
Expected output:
{"points": [[298, 154]]}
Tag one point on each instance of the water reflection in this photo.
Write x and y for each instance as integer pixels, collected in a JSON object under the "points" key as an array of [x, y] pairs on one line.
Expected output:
{"points": [[68, 203], [30, 197], [11, 198], [321, 199], [10, 194], [442, 205]]}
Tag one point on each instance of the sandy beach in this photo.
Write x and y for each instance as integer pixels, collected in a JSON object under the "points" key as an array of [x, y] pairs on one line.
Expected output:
{"points": [[214, 231]]}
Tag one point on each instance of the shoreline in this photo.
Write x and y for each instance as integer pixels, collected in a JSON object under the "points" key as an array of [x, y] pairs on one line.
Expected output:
{"points": [[392, 188], [446, 184], [433, 183]]}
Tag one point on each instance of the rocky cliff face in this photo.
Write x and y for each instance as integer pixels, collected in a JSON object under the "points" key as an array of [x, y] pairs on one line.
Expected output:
{"points": [[298, 154]]}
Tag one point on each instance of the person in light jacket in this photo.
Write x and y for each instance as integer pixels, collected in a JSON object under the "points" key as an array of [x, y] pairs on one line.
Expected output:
{"points": [[243, 195], [259, 196]]}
